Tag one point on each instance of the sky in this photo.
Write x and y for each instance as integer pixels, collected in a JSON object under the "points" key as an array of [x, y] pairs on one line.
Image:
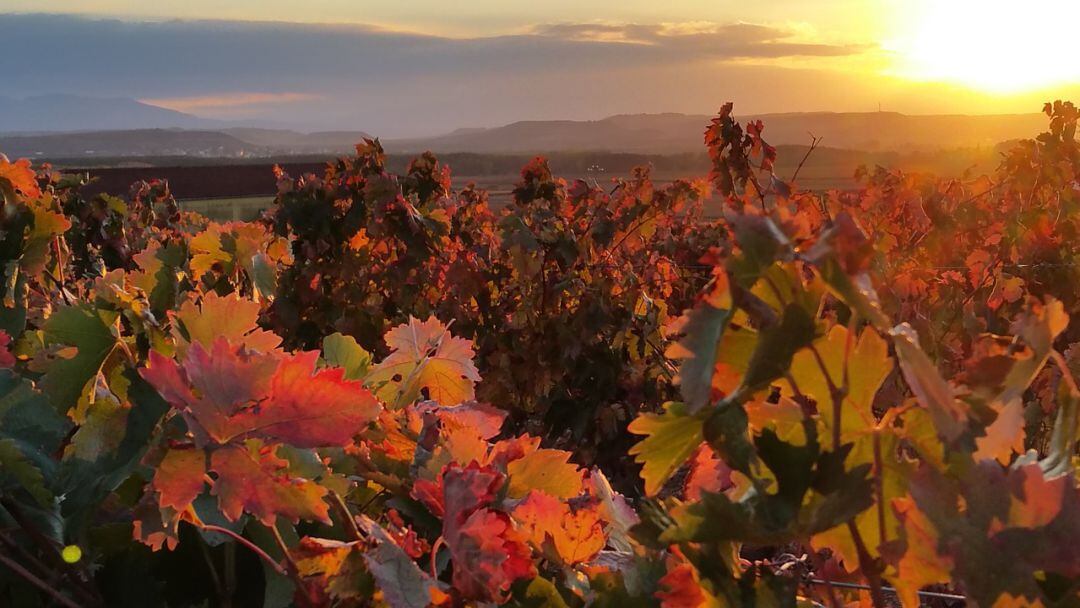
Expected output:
{"points": [[429, 66]]}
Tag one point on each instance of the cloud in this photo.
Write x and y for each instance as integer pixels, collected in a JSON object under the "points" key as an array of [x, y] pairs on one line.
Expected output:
{"points": [[228, 100], [398, 83], [193, 58], [731, 41]]}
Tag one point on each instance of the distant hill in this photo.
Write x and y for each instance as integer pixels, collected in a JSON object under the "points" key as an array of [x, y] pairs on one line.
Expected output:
{"points": [[679, 133], [56, 113], [648, 134], [295, 142], [132, 143]]}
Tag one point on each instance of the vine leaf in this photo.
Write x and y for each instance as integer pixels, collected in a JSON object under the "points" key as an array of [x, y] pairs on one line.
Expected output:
{"points": [[702, 328], [17, 176], [544, 470], [868, 364], [306, 408], [252, 479], [571, 535], [230, 317], [1004, 436], [180, 477], [276, 397], [403, 583], [424, 356], [933, 392], [920, 564], [337, 568], [343, 351], [16, 465], [90, 331], [671, 438]]}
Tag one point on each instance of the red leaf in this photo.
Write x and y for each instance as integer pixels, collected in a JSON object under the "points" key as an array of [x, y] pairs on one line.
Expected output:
{"points": [[308, 408], [488, 556], [681, 586], [239, 394], [252, 479]]}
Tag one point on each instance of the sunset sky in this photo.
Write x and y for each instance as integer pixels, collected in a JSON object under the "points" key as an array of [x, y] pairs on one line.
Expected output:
{"points": [[425, 66]]}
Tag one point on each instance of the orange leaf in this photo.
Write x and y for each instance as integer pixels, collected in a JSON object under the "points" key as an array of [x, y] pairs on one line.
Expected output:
{"points": [[252, 479], [1005, 435], [1035, 501], [576, 536], [230, 317], [180, 477], [920, 564], [20, 175]]}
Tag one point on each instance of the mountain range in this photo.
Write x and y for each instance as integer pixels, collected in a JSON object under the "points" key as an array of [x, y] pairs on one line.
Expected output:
{"points": [[57, 113], [680, 133], [69, 126]]}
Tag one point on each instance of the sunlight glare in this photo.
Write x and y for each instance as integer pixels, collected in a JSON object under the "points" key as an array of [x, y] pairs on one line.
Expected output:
{"points": [[995, 45]]}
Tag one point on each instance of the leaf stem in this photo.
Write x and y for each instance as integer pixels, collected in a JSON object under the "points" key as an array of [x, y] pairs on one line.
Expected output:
{"points": [[223, 598], [439, 542], [247, 543], [347, 519], [51, 591], [52, 554], [868, 566]]}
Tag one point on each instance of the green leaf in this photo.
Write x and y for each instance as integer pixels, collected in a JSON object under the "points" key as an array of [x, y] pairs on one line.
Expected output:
{"points": [[1063, 437], [87, 329], [760, 243], [777, 346], [855, 291], [539, 592], [670, 439], [703, 329], [403, 583], [727, 434], [85, 483], [25, 414], [15, 465], [343, 351], [785, 513], [263, 275], [13, 303]]}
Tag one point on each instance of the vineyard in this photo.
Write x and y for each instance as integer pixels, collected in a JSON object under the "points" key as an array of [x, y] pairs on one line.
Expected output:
{"points": [[385, 392]]}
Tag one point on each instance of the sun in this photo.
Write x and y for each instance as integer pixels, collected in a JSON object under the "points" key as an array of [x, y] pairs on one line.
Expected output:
{"points": [[1003, 46]]}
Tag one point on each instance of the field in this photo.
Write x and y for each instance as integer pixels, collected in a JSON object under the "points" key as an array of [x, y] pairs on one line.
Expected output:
{"points": [[499, 189], [241, 208], [739, 390], [226, 191]]}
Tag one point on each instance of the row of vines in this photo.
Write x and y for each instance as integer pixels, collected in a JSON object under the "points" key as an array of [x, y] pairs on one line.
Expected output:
{"points": [[385, 393]]}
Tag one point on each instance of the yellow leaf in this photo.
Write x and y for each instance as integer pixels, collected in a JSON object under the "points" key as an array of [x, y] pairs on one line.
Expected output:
{"points": [[868, 364], [544, 470], [424, 356], [670, 439]]}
